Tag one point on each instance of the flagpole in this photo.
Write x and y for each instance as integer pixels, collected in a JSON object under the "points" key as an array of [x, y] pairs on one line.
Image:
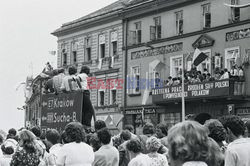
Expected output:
{"points": [[183, 92]]}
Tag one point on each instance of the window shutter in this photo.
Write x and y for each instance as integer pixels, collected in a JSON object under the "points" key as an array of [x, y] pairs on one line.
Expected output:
{"points": [[132, 38], [158, 31], [152, 32]]}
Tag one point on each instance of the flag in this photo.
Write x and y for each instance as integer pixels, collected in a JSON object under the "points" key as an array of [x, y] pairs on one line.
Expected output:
{"points": [[52, 52], [146, 91], [237, 59], [198, 57]]}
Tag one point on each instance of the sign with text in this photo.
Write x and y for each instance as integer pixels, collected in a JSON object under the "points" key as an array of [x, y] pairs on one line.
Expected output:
{"points": [[59, 110], [192, 91], [157, 51], [139, 111]]}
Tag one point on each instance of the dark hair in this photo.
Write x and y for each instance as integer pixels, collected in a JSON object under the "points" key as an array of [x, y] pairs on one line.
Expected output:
{"points": [[134, 145], [148, 128], [104, 135], [61, 70], [247, 124], [28, 139], [72, 70], [1, 139], [125, 135], [202, 117], [99, 124], [53, 136], [235, 124], [85, 69], [7, 150], [36, 130], [94, 142], [74, 132], [64, 137], [216, 130], [163, 128], [129, 128], [12, 131]]}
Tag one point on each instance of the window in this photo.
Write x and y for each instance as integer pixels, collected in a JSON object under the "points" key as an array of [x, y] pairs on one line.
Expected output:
{"points": [[136, 79], [175, 66], [114, 48], [138, 32], [206, 15], [179, 22], [102, 50], [64, 54], [235, 12], [113, 97], [74, 56], [101, 98], [101, 46], [155, 31], [231, 54], [88, 49], [88, 54]]}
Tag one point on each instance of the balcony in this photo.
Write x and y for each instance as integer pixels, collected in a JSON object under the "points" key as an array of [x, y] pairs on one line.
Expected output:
{"points": [[219, 89]]}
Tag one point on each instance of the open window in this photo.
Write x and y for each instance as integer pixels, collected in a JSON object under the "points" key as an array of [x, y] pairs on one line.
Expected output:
{"points": [[235, 11], [179, 22], [206, 15], [155, 31], [87, 49]]}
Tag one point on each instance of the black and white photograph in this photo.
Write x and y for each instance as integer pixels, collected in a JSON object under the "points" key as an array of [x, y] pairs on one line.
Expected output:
{"points": [[125, 83]]}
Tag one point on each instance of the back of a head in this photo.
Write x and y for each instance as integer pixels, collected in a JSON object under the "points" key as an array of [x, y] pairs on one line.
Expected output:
{"points": [[53, 136], [72, 70], [85, 69], [148, 129], [75, 132], [104, 135], [129, 128], [134, 145], [99, 124], [28, 139], [12, 131], [188, 141], [37, 131], [163, 128], [125, 135], [235, 124], [202, 118], [153, 144], [216, 130]]}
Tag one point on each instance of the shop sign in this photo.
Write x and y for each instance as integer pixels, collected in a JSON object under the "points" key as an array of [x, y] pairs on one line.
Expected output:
{"points": [[192, 91], [239, 34], [243, 111], [59, 110], [139, 111], [157, 51]]}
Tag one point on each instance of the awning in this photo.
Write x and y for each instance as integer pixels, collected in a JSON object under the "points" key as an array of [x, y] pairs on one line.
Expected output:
{"points": [[237, 6]]}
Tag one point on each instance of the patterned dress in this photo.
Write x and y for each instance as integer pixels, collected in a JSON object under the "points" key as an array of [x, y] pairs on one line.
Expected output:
{"points": [[158, 160], [24, 158]]}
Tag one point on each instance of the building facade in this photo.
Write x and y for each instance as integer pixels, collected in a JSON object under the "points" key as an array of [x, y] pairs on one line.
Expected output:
{"points": [[162, 35], [96, 41]]}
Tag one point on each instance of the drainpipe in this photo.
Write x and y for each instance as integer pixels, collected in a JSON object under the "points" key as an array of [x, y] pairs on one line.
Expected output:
{"points": [[125, 41]]}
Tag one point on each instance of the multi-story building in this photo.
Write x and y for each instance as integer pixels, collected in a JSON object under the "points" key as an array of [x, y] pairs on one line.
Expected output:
{"points": [[162, 35], [96, 41]]}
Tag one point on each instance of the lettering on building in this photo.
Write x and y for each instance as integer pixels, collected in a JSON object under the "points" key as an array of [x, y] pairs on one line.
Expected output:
{"points": [[239, 34], [157, 51]]}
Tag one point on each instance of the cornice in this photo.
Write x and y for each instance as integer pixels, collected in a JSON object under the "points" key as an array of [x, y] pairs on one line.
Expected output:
{"points": [[186, 35], [109, 71]]}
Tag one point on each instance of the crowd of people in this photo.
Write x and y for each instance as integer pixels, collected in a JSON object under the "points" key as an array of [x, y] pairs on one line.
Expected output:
{"points": [[196, 76], [217, 142]]}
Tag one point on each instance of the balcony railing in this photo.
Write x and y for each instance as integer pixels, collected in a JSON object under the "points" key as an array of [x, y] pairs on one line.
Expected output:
{"points": [[204, 90]]}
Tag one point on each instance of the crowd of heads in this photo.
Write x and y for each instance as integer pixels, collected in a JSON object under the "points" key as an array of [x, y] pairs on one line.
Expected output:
{"points": [[184, 142]]}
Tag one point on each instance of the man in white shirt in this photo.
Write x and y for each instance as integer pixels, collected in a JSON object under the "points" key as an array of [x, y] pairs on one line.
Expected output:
{"points": [[238, 151], [107, 155], [70, 82], [53, 137], [87, 110]]}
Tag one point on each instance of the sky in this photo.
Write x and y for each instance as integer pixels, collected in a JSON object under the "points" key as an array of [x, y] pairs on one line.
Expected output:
{"points": [[25, 42]]}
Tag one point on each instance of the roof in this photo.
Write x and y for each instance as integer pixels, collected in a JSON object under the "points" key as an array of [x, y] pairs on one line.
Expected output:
{"points": [[101, 13]]}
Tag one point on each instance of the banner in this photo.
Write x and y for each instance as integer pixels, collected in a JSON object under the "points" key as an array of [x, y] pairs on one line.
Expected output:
{"points": [[59, 110], [192, 91]]}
